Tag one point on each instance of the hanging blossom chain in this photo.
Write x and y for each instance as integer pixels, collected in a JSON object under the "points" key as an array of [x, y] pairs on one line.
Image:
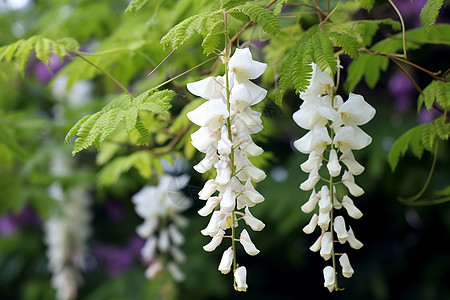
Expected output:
{"points": [[160, 207], [227, 122], [333, 126]]}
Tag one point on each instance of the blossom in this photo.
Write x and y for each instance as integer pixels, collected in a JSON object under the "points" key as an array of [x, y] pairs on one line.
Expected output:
{"points": [[227, 122], [160, 207], [333, 133]]}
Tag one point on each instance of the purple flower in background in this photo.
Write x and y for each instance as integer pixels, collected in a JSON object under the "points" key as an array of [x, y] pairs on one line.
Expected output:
{"points": [[426, 116], [114, 211], [116, 259], [41, 71], [10, 223], [402, 90], [410, 11]]}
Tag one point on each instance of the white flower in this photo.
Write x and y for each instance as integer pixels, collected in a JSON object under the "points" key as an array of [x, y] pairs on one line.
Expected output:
{"points": [[249, 196], [325, 205], [214, 224], [210, 159], [209, 88], [240, 278], [223, 167], [310, 205], [224, 145], [356, 111], [211, 114], [254, 223], [311, 225], [208, 189], [313, 179], [244, 67], [175, 271], [148, 252], [317, 244], [215, 241], [154, 268], [352, 210], [204, 139], [349, 160], [246, 170], [321, 83], [314, 161], [327, 245], [329, 277], [163, 241], [353, 241], [339, 228], [333, 166], [349, 181], [351, 138], [175, 235], [211, 203], [226, 261], [324, 220], [247, 243], [315, 140], [347, 269]]}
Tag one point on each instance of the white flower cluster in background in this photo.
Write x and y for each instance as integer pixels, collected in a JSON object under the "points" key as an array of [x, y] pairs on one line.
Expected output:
{"points": [[160, 207], [333, 134], [226, 123], [66, 234]]}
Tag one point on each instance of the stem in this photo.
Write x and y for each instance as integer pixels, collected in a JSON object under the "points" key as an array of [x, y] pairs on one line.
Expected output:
{"points": [[163, 61], [424, 188], [104, 72], [333, 255], [184, 73], [403, 27]]}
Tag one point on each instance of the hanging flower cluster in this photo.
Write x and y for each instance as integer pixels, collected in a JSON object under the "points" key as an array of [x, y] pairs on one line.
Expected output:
{"points": [[160, 206], [227, 122], [333, 128], [66, 233]]}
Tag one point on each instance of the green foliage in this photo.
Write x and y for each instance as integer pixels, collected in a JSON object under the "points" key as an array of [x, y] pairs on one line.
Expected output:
{"points": [[42, 46], [279, 6], [347, 42], [134, 6], [207, 24], [260, 16], [367, 4], [438, 91], [94, 129], [227, 4], [430, 12], [420, 138]]}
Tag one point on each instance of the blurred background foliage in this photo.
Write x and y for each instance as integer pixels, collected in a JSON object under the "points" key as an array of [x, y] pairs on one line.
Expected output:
{"points": [[405, 255]]}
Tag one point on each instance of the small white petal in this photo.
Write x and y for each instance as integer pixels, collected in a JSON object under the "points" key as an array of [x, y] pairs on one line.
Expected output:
{"points": [[208, 189], [208, 88], [356, 111], [310, 183], [351, 239], [311, 225], [349, 181], [177, 254], [327, 245], [163, 241], [324, 220], [310, 205], [329, 277], [175, 235], [244, 67], [314, 161], [224, 145], [226, 261], [210, 205], [247, 243], [240, 278], [249, 197], [215, 241], [154, 269], [147, 228], [353, 166], [352, 210], [254, 223], [347, 269], [339, 228], [214, 223], [315, 140], [334, 168], [175, 271], [223, 167], [317, 244], [207, 163], [149, 250], [325, 205]]}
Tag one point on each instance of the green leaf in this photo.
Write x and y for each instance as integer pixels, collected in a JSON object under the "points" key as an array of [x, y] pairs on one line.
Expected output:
{"points": [[442, 128], [428, 136], [279, 6], [70, 44], [42, 49], [23, 52], [323, 51], [227, 4], [430, 12], [75, 129], [7, 52], [347, 42], [443, 94], [94, 129], [261, 16], [134, 6], [398, 150], [367, 4], [144, 134], [214, 36], [428, 96]]}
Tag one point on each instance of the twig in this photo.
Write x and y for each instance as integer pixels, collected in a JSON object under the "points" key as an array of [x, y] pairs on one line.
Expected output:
{"points": [[160, 64], [403, 27]]}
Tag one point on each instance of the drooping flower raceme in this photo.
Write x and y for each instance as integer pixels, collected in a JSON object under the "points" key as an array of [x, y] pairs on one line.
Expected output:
{"points": [[160, 207], [66, 232], [333, 135], [227, 122]]}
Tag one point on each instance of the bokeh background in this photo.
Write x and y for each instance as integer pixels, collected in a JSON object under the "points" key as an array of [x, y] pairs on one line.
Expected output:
{"points": [[406, 253]]}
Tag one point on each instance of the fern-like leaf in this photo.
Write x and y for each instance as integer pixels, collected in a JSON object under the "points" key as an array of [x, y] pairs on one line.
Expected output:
{"points": [[430, 12], [347, 42], [279, 6], [323, 51], [428, 96], [367, 4], [212, 37], [400, 146], [42, 49], [428, 136], [228, 4], [261, 16], [134, 6], [94, 129], [442, 128], [183, 31], [443, 94]]}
